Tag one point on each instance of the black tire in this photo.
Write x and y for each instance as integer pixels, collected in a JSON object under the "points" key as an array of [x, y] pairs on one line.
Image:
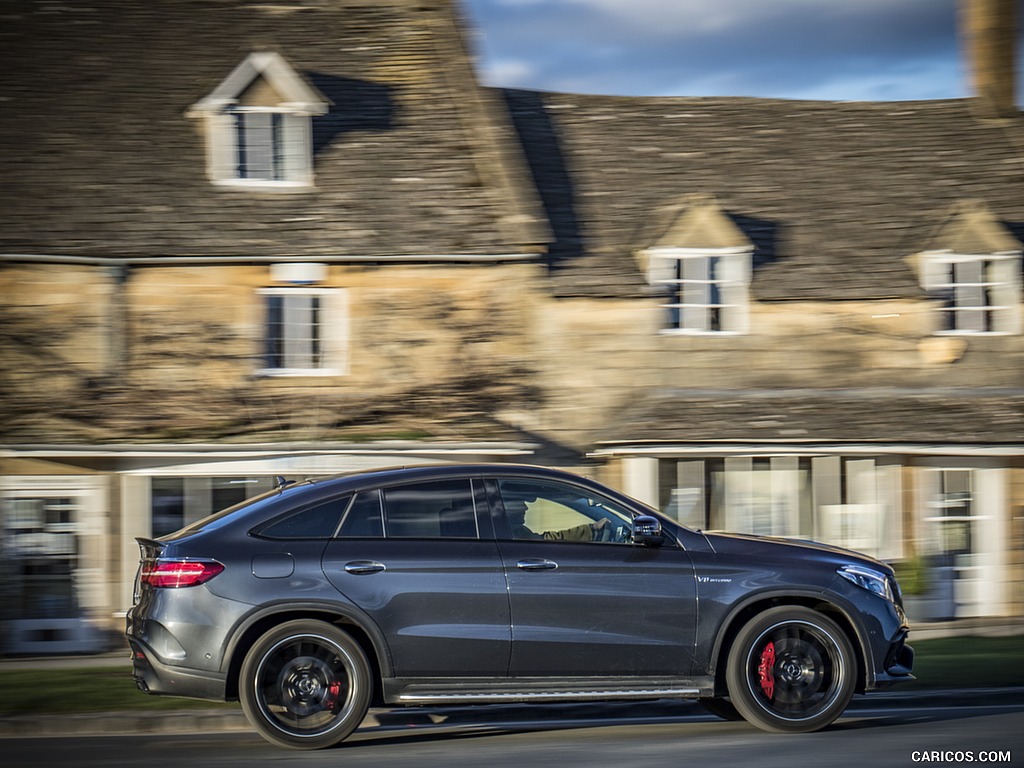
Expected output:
{"points": [[305, 685], [721, 707], [791, 670]]}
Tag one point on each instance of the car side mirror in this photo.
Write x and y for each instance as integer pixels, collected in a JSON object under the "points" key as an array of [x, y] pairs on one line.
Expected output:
{"points": [[647, 531]]}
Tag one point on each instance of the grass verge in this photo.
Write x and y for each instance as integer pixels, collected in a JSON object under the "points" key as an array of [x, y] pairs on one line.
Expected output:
{"points": [[967, 662], [90, 689], [954, 662]]}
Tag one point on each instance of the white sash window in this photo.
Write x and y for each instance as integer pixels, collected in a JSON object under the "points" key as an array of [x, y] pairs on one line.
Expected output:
{"points": [[707, 291], [305, 332], [979, 294]]}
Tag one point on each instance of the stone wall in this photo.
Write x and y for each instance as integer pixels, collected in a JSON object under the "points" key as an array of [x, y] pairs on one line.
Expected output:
{"points": [[175, 353], [54, 339], [599, 355]]}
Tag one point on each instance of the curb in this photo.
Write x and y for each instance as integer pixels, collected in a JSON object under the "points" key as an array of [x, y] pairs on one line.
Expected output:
{"points": [[232, 720]]}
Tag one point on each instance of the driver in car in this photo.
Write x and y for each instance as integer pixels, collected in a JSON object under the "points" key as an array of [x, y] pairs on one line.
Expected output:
{"points": [[516, 510]]}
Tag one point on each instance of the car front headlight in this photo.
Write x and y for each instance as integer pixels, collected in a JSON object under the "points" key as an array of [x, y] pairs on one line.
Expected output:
{"points": [[871, 580]]}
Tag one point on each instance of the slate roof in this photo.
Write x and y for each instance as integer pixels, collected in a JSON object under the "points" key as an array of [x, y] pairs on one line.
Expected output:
{"points": [[460, 408], [99, 158], [971, 229], [416, 159], [696, 221], [834, 195], [877, 416]]}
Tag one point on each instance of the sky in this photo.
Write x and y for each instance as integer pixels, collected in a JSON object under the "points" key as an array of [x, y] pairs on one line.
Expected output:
{"points": [[832, 50]]}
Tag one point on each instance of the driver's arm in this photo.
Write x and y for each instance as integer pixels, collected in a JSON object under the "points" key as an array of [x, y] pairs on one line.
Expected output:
{"points": [[583, 532]]}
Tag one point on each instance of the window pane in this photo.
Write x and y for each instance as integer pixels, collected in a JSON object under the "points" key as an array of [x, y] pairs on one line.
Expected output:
{"points": [[167, 502], [318, 522], [442, 509], [297, 322], [275, 332], [364, 519], [557, 512], [258, 145], [682, 491], [42, 547], [970, 297], [696, 296], [294, 333], [227, 492]]}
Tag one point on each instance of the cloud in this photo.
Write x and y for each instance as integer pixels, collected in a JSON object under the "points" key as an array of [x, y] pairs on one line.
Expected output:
{"points": [[510, 71]]}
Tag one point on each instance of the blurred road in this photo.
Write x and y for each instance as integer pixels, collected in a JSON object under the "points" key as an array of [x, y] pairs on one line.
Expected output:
{"points": [[891, 735]]}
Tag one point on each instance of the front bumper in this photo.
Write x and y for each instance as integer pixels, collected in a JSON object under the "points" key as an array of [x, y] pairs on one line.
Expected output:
{"points": [[898, 664], [881, 628]]}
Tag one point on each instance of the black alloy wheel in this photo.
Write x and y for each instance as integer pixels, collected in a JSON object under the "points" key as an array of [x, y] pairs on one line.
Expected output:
{"points": [[305, 685], [791, 670]]}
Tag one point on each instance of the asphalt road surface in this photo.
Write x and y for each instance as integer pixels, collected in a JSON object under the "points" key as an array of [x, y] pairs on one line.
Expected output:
{"points": [[867, 738]]}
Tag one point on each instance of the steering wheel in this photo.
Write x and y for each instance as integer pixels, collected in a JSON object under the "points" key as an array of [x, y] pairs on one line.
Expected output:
{"points": [[611, 532]]}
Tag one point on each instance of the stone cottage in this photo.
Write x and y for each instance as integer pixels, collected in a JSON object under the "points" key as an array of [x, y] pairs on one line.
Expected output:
{"points": [[241, 240]]}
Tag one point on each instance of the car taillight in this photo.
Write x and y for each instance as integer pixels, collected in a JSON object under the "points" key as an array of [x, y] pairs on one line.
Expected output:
{"points": [[173, 574]]}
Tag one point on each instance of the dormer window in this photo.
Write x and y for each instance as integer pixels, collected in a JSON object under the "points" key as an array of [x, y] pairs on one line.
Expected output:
{"points": [[258, 125], [260, 144], [973, 270], [705, 290], [700, 264], [978, 294]]}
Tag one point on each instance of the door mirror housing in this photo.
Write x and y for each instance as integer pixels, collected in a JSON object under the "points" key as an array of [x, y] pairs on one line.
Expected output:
{"points": [[647, 531]]}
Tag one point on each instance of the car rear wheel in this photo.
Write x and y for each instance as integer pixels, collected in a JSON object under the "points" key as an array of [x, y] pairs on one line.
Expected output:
{"points": [[305, 685], [791, 670]]}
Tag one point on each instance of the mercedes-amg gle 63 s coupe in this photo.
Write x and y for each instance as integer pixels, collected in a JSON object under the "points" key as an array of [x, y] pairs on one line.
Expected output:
{"points": [[486, 584]]}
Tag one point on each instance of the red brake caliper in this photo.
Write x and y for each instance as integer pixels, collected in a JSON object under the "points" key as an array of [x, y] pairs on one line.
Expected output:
{"points": [[766, 670], [333, 693]]}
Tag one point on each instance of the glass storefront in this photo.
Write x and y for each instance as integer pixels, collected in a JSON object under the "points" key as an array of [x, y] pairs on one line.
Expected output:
{"points": [[177, 501], [852, 503], [52, 550], [945, 525], [41, 552]]}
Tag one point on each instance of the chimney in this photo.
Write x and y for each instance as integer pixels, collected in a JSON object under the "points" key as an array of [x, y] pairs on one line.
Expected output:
{"points": [[988, 29]]}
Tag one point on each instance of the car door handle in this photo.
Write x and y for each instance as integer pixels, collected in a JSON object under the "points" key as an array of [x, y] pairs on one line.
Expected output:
{"points": [[536, 564], [364, 566]]}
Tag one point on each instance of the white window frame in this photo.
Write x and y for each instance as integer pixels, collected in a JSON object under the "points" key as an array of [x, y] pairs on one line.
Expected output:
{"points": [[994, 294], [983, 578], [686, 275], [331, 338], [222, 109], [291, 153]]}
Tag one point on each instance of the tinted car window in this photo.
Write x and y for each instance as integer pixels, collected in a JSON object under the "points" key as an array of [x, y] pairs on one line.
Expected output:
{"points": [[364, 517], [556, 512], [439, 509], [316, 522]]}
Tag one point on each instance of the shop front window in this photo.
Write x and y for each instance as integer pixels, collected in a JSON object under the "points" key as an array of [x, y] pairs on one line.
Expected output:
{"points": [[42, 557], [178, 501]]}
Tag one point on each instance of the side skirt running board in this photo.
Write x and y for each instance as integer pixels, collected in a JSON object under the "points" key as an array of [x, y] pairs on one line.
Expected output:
{"points": [[440, 691]]}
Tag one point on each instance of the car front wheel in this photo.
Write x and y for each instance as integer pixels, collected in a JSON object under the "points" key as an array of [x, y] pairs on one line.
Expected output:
{"points": [[791, 670], [305, 685]]}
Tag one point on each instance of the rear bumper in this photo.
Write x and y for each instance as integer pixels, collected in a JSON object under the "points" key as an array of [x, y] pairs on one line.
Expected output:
{"points": [[153, 676]]}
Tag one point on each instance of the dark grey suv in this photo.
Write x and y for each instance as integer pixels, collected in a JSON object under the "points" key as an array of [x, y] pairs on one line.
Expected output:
{"points": [[496, 583]]}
